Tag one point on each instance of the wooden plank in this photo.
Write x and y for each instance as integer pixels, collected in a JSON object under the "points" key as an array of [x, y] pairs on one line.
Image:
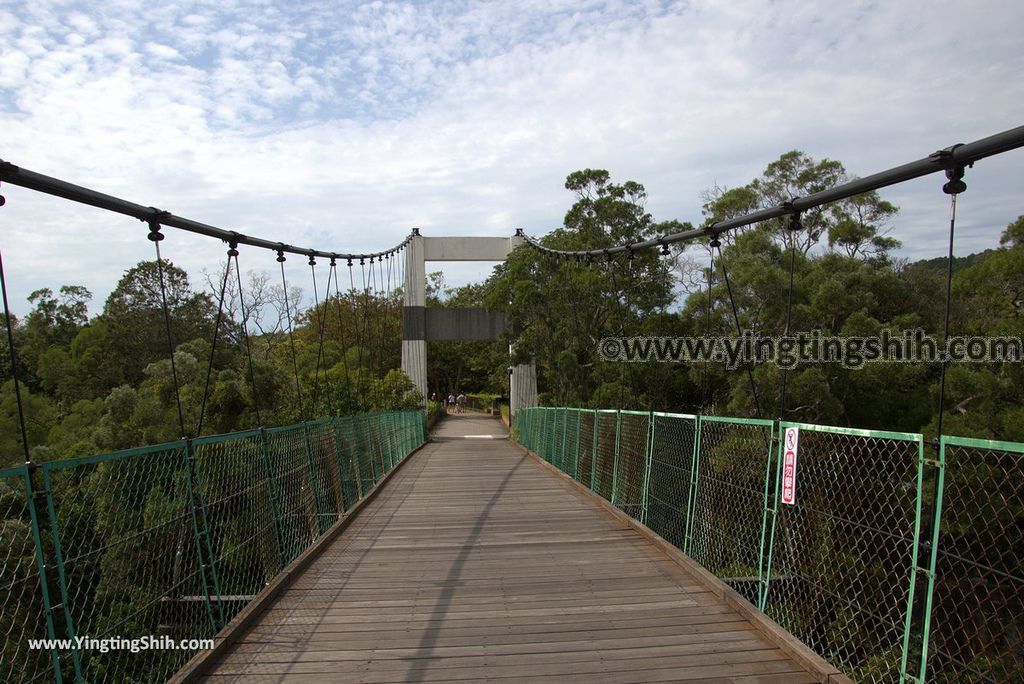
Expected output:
{"points": [[480, 563]]}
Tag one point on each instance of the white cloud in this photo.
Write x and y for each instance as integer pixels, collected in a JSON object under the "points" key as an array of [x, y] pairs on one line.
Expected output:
{"points": [[347, 125]]}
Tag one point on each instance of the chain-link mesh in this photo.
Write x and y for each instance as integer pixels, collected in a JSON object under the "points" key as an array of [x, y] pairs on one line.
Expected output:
{"points": [[557, 455], [239, 516], [172, 540], [23, 613], [585, 467], [323, 449], [727, 519], [977, 623], [842, 554], [604, 461], [541, 433], [631, 466], [836, 567], [572, 442], [364, 445], [668, 490], [127, 558], [291, 468]]}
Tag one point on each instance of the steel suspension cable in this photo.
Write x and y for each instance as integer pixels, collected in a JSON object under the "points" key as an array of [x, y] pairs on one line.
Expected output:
{"points": [[717, 244], [342, 333], [321, 320], [14, 364], [952, 188], [373, 350], [385, 320], [233, 253], [213, 347], [363, 328], [291, 337], [705, 375], [794, 226], [155, 237], [354, 326]]}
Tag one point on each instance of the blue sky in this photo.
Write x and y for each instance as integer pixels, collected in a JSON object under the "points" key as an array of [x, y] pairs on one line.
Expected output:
{"points": [[341, 125]]}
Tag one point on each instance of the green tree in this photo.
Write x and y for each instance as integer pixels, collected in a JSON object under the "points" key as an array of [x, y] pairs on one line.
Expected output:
{"points": [[134, 312], [856, 225], [560, 310]]}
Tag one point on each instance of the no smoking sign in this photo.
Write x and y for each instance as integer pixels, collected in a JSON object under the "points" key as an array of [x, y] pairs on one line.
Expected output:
{"points": [[790, 445]]}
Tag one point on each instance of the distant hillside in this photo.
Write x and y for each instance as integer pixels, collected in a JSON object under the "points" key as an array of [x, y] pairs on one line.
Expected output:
{"points": [[959, 263]]}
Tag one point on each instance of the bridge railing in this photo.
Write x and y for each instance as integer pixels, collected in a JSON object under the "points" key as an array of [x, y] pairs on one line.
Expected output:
{"points": [[893, 560], [171, 541]]}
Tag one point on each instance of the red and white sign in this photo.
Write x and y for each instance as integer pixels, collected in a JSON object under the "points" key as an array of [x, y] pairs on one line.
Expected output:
{"points": [[792, 441]]}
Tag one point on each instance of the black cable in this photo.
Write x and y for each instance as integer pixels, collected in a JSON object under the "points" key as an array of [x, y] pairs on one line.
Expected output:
{"points": [[716, 243], [362, 332], [156, 237], [952, 188], [705, 379], [794, 225], [626, 370], [321, 316], [213, 347], [291, 337], [233, 252], [373, 350], [385, 316], [343, 331], [14, 366]]}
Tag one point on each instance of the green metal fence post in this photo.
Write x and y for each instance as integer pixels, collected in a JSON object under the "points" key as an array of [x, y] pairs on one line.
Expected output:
{"points": [[576, 456], [542, 446], [771, 507], [393, 445], [377, 445], [914, 662], [565, 434], [354, 455], [201, 530], [339, 459], [691, 495], [593, 457], [58, 552], [648, 456], [319, 505], [41, 567], [273, 495], [615, 458]]}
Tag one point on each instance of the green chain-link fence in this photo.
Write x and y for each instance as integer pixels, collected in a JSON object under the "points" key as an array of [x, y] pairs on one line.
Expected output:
{"points": [[892, 559], [170, 541], [977, 626], [24, 591], [728, 500], [842, 555]]}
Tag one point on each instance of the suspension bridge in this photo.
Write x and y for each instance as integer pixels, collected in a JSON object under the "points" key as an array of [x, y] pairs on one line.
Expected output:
{"points": [[585, 545]]}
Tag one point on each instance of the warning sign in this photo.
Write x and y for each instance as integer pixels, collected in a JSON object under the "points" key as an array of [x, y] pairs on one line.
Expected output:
{"points": [[792, 441]]}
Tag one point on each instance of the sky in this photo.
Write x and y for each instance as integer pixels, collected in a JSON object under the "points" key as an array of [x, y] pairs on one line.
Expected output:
{"points": [[342, 125]]}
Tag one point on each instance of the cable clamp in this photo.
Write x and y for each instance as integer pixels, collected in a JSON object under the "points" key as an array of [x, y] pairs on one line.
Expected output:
{"points": [[154, 223], [794, 221]]}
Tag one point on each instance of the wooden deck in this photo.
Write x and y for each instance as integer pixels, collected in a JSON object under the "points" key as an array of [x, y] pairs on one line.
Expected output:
{"points": [[477, 562]]}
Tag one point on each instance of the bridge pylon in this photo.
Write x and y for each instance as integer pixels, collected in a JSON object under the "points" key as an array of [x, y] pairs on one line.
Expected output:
{"points": [[421, 324]]}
